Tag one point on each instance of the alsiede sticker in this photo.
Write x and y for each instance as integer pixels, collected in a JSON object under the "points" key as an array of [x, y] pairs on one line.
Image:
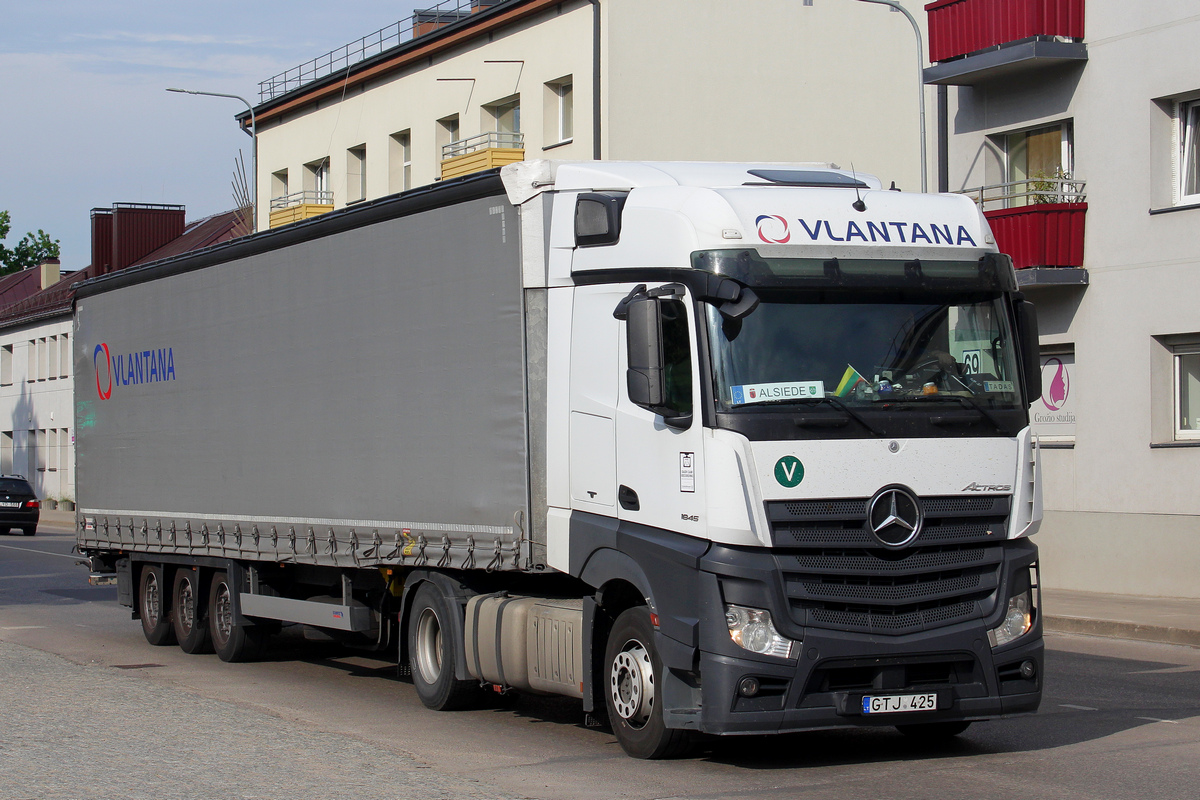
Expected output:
{"points": [[765, 392], [998, 386]]}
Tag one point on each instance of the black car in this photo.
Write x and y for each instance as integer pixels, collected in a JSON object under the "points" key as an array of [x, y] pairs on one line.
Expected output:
{"points": [[19, 506]]}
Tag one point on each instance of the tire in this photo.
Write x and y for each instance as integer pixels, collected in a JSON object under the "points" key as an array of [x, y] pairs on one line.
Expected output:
{"points": [[232, 643], [632, 672], [432, 653], [29, 531], [186, 619], [933, 731], [152, 607]]}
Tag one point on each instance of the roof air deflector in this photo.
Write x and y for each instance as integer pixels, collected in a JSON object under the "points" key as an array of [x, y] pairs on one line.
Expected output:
{"points": [[805, 177]]}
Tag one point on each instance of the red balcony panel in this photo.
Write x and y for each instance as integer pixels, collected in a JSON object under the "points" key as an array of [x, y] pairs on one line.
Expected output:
{"points": [[959, 27], [1047, 235]]}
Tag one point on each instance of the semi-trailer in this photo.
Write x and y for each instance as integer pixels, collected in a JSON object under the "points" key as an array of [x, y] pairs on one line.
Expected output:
{"points": [[720, 448]]}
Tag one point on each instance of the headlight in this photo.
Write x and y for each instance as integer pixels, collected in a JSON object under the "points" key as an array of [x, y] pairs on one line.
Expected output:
{"points": [[1018, 616], [752, 629]]}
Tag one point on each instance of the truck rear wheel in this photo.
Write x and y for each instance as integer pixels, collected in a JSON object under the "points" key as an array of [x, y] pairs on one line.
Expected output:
{"points": [[633, 672], [231, 642], [190, 630], [432, 653], [152, 605]]}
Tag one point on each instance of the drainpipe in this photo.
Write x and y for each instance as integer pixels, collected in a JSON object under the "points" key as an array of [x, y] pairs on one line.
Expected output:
{"points": [[596, 79]]}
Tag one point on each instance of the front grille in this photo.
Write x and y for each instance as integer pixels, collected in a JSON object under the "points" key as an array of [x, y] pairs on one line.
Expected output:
{"points": [[837, 575]]}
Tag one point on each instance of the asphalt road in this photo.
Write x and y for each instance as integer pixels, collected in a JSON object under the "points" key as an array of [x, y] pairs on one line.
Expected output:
{"points": [[88, 708]]}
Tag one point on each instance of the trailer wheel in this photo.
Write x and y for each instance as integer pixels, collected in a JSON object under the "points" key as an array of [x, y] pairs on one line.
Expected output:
{"points": [[431, 653], [933, 731], [152, 605], [190, 630], [232, 642], [633, 673]]}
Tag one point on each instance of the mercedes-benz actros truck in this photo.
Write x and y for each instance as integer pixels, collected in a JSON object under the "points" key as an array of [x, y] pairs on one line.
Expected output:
{"points": [[720, 448]]}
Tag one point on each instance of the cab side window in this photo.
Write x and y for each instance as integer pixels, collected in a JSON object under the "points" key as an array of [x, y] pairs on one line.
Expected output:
{"points": [[677, 357]]}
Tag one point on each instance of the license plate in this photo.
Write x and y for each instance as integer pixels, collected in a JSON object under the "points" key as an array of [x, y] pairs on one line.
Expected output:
{"points": [[895, 703], [10, 505]]}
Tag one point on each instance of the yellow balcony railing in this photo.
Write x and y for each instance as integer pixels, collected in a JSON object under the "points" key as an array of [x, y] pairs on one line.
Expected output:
{"points": [[485, 151], [299, 206]]}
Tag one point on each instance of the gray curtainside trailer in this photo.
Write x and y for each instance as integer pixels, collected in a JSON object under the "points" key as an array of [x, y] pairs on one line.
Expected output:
{"points": [[687, 442]]}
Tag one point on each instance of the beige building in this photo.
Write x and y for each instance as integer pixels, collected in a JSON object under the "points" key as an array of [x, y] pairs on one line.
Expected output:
{"points": [[479, 83], [1084, 143]]}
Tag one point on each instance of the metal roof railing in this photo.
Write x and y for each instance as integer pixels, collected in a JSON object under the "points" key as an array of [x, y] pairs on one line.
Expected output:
{"points": [[309, 196], [423, 21], [515, 141], [1030, 192]]}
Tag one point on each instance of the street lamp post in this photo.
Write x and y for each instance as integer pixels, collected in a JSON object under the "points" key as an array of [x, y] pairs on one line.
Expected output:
{"points": [[920, 79], [252, 133]]}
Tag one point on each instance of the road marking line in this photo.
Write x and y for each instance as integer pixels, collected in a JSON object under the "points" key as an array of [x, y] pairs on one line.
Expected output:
{"points": [[23, 628], [1156, 719], [42, 552], [1165, 671], [41, 575], [1077, 708]]}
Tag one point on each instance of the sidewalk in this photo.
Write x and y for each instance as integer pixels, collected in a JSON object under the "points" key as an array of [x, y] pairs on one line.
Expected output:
{"points": [[1149, 619]]}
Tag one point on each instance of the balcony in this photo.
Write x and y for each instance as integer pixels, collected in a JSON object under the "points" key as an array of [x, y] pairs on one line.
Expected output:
{"points": [[974, 41], [299, 206], [1040, 224], [485, 151]]}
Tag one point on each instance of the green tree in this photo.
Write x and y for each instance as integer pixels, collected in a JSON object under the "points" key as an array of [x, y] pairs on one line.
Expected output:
{"points": [[31, 250]]}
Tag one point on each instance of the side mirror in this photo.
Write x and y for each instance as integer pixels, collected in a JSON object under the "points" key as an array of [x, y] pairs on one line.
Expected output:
{"points": [[644, 378], [1031, 362]]}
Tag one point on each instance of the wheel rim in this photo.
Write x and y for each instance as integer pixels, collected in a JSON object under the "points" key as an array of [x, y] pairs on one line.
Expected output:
{"points": [[186, 602], [223, 614], [631, 683], [428, 646], [151, 600]]}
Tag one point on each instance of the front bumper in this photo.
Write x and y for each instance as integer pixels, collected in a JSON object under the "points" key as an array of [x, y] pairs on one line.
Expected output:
{"points": [[823, 687]]}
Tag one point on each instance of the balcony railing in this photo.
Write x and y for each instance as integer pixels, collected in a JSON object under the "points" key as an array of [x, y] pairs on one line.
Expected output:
{"points": [[422, 22], [1039, 222], [961, 27], [484, 141], [307, 197], [1034, 191]]}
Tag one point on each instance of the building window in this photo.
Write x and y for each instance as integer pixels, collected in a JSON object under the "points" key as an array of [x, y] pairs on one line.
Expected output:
{"points": [[279, 184], [6, 365], [400, 162], [559, 112], [356, 174], [446, 133], [1187, 392], [31, 366], [1036, 164], [52, 450], [37, 459], [504, 116], [1189, 151], [6, 452], [64, 357], [316, 183], [52, 358]]}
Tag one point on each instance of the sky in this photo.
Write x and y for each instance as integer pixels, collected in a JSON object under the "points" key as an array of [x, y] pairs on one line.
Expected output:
{"points": [[85, 118]]}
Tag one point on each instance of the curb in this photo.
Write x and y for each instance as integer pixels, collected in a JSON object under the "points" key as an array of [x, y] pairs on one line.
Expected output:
{"points": [[1122, 630]]}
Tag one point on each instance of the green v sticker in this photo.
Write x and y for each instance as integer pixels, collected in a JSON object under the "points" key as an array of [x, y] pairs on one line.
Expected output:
{"points": [[789, 471]]}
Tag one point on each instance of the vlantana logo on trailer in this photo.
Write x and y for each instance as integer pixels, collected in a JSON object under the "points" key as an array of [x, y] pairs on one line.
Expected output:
{"points": [[773, 229], [131, 369]]}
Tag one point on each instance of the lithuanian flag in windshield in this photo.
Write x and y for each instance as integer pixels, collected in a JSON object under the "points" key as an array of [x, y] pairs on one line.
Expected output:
{"points": [[850, 379]]}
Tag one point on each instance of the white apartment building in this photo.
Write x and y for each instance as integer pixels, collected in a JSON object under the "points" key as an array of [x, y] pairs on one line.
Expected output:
{"points": [[1083, 131], [471, 84]]}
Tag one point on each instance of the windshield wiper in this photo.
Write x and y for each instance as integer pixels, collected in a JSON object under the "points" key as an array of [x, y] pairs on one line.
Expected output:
{"points": [[969, 402], [838, 404]]}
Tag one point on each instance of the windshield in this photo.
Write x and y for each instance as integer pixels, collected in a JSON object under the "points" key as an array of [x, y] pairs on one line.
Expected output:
{"points": [[883, 348]]}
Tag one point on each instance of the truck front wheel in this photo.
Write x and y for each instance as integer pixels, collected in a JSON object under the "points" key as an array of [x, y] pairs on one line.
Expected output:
{"points": [[190, 630], [152, 605], [232, 642], [432, 653], [632, 676]]}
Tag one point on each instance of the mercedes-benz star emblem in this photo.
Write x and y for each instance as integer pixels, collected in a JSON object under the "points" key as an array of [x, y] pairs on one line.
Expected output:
{"points": [[895, 516]]}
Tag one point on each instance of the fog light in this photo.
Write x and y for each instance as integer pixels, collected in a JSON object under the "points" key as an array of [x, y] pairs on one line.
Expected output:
{"points": [[1028, 670], [748, 687], [753, 630]]}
